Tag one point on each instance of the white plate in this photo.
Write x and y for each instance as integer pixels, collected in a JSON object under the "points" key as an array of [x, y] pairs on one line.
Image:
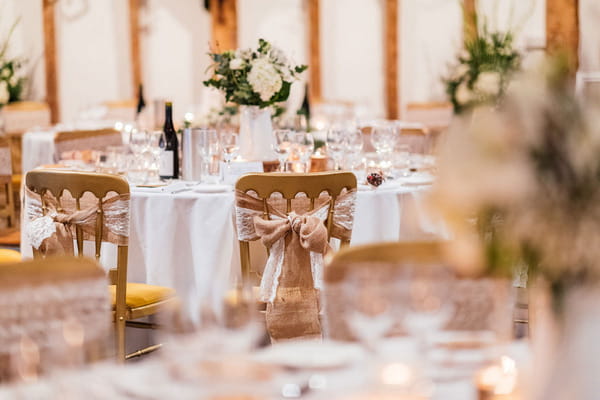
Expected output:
{"points": [[311, 354], [211, 188]]}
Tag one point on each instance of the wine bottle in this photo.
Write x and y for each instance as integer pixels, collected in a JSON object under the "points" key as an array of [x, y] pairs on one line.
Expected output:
{"points": [[169, 157]]}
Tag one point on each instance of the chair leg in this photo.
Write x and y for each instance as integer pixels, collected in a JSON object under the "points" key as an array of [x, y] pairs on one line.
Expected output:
{"points": [[120, 339]]}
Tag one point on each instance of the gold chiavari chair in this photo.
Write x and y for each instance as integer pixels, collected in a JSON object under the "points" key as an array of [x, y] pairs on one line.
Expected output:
{"points": [[295, 216], [482, 303], [54, 313], [90, 191], [86, 140]]}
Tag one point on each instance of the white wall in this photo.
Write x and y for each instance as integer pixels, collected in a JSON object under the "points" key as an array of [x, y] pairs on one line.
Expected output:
{"points": [[27, 40], [175, 43], [589, 11]]}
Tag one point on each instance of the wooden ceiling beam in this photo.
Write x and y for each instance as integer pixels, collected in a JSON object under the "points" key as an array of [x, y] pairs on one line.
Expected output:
{"points": [[562, 29], [134, 39], [314, 51], [224, 25], [391, 51]]}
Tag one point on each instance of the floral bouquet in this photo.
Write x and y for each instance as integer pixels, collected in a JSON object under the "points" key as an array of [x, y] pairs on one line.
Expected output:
{"points": [[12, 82], [483, 70], [258, 77], [528, 173]]}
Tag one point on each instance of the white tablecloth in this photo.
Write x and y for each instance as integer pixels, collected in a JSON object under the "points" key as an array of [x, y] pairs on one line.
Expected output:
{"points": [[188, 241], [38, 145]]}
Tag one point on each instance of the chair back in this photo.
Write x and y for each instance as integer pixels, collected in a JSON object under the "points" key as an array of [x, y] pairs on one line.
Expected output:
{"points": [[7, 210], [102, 203], [287, 192], [99, 139], [476, 304], [56, 308]]}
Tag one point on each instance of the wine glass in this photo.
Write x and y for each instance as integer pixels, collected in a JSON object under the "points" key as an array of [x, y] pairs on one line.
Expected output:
{"points": [[355, 141], [305, 145], [282, 146], [335, 146], [383, 139], [138, 141], [156, 142], [229, 146]]}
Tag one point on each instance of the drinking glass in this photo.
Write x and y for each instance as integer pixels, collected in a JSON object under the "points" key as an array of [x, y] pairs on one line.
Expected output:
{"points": [[156, 142], [355, 141], [229, 146], [335, 146], [383, 139], [138, 141], [305, 144], [282, 146], [208, 148], [402, 160]]}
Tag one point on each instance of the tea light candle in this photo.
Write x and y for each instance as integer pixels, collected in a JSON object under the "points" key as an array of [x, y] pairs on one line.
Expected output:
{"points": [[498, 382], [318, 162]]}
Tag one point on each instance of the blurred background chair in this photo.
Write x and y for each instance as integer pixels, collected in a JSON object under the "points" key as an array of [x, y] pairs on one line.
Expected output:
{"points": [[54, 313]]}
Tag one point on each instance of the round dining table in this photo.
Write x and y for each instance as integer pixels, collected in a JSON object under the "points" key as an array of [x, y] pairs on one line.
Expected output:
{"points": [[184, 236]]}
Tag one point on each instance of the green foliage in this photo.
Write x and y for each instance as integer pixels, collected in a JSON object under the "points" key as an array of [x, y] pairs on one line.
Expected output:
{"points": [[487, 51]]}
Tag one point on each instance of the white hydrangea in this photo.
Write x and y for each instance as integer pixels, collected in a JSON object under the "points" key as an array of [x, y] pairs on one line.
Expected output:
{"points": [[236, 63], [264, 78], [488, 83], [4, 95], [463, 94]]}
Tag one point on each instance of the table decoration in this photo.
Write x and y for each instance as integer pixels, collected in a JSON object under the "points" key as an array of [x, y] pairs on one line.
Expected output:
{"points": [[528, 171], [255, 80]]}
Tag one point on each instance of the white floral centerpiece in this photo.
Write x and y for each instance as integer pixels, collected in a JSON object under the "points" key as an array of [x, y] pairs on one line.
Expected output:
{"points": [[482, 72], [255, 80], [12, 81]]}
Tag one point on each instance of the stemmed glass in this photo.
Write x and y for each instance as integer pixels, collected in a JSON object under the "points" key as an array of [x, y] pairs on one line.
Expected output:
{"points": [[335, 146], [282, 146], [156, 141], [305, 145], [354, 147], [208, 147], [384, 138], [229, 146]]}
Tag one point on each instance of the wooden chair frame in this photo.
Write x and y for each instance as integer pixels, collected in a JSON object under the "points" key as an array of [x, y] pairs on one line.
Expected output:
{"points": [[289, 185], [78, 183]]}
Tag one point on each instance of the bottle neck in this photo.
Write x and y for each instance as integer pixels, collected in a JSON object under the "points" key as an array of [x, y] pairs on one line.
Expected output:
{"points": [[168, 119]]}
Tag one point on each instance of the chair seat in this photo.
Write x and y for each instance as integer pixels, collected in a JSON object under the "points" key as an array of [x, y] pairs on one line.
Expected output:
{"points": [[141, 294], [9, 256], [12, 238]]}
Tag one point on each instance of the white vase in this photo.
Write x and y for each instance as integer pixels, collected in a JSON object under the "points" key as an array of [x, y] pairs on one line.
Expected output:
{"points": [[565, 347], [256, 133]]}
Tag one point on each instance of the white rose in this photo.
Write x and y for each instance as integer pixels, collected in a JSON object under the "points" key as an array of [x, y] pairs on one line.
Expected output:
{"points": [[236, 63], [4, 95], [264, 78], [488, 83], [278, 56], [244, 54], [463, 94]]}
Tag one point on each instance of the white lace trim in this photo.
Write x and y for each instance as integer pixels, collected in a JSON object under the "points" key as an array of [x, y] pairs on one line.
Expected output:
{"points": [[39, 230]]}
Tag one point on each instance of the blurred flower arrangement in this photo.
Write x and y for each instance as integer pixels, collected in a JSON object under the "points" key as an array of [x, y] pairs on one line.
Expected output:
{"points": [[529, 173], [483, 69], [12, 80], [260, 77]]}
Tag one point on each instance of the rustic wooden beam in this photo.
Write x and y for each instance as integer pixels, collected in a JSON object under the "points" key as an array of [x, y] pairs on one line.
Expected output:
{"points": [[224, 24], [469, 19], [314, 50], [392, 68], [51, 59], [562, 29], [134, 38]]}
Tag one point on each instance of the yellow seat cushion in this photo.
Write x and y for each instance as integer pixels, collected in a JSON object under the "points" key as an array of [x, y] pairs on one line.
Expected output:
{"points": [[141, 294], [9, 256]]}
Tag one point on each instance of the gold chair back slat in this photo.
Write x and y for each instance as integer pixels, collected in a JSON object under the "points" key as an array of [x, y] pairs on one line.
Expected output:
{"points": [[7, 210]]}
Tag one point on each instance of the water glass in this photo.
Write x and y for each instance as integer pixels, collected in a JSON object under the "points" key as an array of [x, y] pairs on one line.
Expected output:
{"points": [[138, 141], [335, 146], [305, 146], [283, 146], [230, 146], [156, 142], [208, 149]]}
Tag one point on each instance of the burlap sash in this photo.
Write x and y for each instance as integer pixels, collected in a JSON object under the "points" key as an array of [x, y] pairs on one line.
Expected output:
{"points": [[297, 242], [52, 232]]}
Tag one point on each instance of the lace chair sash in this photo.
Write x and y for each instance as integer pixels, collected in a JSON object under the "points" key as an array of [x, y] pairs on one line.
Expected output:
{"points": [[52, 232]]}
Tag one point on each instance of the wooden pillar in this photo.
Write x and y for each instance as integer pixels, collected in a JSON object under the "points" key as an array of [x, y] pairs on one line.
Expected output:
{"points": [[224, 24], [134, 38], [562, 29], [314, 50], [392, 67], [51, 58], [469, 19]]}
